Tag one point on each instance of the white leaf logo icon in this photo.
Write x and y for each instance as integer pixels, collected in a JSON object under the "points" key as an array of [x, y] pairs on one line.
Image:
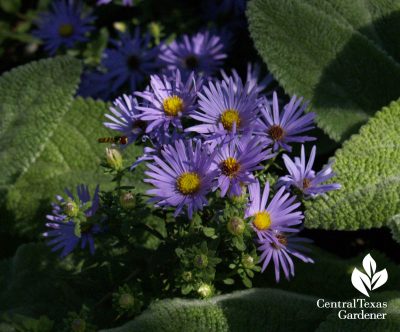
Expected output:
{"points": [[369, 280], [360, 280], [369, 265], [379, 279]]}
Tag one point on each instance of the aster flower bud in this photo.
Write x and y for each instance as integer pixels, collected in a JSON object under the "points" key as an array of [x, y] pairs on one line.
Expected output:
{"points": [[236, 226], [187, 275], [71, 209], [205, 290], [78, 325], [201, 261], [247, 261], [114, 159], [126, 301], [127, 200]]}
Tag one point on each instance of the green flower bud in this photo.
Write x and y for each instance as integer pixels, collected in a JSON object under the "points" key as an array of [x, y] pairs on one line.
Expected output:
{"points": [[201, 261], [78, 325], [248, 261], [187, 276], [236, 226], [114, 159], [205, 290], [126, 301], [241, 199], [71, 209], [127, 200]]}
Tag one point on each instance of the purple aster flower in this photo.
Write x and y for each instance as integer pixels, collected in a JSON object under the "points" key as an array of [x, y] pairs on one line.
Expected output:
{"points": [[283, 128], [278, 247], [302, 177], [169, 100], [182, 177], [70, 221], [125, 118], [124, 2], [130, 62], [225, 107], [64, 26], [278, 215], [235, 161], [202, 53]]}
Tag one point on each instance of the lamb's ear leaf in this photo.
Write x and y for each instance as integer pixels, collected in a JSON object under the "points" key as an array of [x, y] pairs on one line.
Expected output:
{"points": [[256, 309], [367, 168], [253, 309], [29, 284], [323, 50], [33, 100], [72, 156], [394, 225]]}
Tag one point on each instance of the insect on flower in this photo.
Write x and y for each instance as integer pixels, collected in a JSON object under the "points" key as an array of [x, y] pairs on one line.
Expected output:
{"points": [[123, 140]]}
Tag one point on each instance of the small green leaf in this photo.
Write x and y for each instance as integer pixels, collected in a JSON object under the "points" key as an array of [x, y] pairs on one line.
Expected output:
{"points": [[229, 281], [367, 167], [247, 282], [209, 232], [186, 289], [239, 243]]}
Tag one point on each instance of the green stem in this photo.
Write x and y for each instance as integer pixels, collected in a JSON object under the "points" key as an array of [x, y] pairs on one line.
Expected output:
{"points": [[152, 231]]}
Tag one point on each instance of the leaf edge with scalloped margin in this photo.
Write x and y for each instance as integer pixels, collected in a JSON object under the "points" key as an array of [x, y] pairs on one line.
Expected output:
{"points": [[327, 211]]}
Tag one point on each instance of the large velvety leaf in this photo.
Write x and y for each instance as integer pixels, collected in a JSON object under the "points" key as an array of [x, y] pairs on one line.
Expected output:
{"points": [[256, 310], [367, 167], [30, 285], [70, 157], [337, 54], [33, 100]]}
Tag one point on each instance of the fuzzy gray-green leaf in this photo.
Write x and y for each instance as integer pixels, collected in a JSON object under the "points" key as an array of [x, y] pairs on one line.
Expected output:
{"points": [[255, 309], [367, 167], [324, 51], [33, 100]]}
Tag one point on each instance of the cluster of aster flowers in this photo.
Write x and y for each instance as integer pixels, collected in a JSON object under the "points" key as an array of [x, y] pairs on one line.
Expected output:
{"points": [[215, 138], [207, 141], [131, 58]]}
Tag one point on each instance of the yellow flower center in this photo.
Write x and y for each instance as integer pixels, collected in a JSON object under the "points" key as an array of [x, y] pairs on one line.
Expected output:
{"points": [[188, 183], [230, 167], [66, 30], [262, 220], [173, 105], [276, 132], [229, 117]]}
